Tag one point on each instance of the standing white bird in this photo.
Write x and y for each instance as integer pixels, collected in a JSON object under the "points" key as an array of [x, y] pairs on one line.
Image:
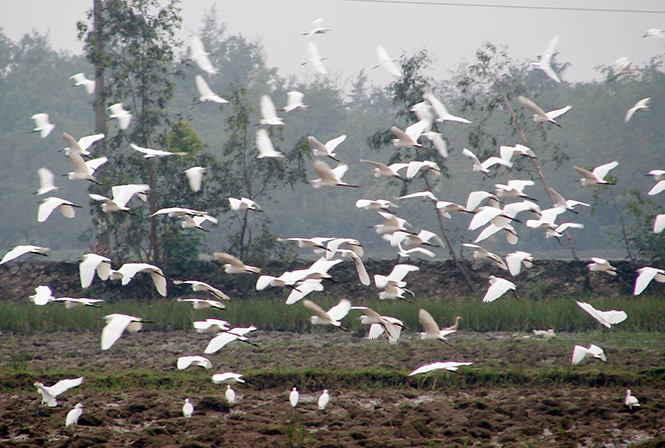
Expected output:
{"points": [[630, 400], [22, 250], [122, 194], [67, 208], [646, 274], [597, 176], [81, 80], [441, 111], [187, 409], [128, 270], [498, 287], [545, 60], [324, 399], [327, 149], [124, 117], [607, 318], [46, 181], [332, 317], [42, 125], [265, 146], [387, 62], [195, 177], [116, 324], [540, 116], [200, 57], [268, 112], [329, 177], [315, 59], [294, 396], [206, 93], [451, 366], [74, 415], [642, 104], [294, 102], [601, 265], [317, 28], [49, 393], [230, 395], [431, 328], [186, 361], [580, 352]]}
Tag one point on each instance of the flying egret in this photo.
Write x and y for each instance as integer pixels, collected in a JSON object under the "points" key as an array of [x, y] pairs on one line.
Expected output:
{"points": [[395, 279], [77, 302], [49, 393], [42, 125], [483, 167], [46, 181], [387, 62], [122, 194], [383, 170], [352, 243], [195, 176], [642, 104], [515, 260], [186, 361], [81, 146], [268, 112], [206, 93], [659, 223], [244, 204], [329, 177], [380, 324], [302, 288], [211, 326], [124, 117], [204, 304], [507, 152], [84, 169], [324, 399], [22, 250], [630, 400], [580, 352], [566, 204], [451, 366], [48, 205], [228, 336], [327, 149], [201, 286], [332, 317], [607, 318], [431, 328], [545, 60], [601, 265], [187, 409], [620, 67], [390, 224], [317, 28], [646, 274], [74, 415], [200, 57], [227, 378], [441, 111], [513, 189], [540, 116], [128, 270], [230, 395], [81, 80], [498, 287], [149, 153], [265, 146], [294, 102], [408, 138], [42, 295], [294, 396], [233, 265], [597, 176], [116, 324], [481, 253], [375, 204], [314, 58], [659, 177]]}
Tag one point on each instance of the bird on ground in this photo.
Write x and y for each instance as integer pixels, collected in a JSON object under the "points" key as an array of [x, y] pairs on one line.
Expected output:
{"points": [[601, 265], [203, 304], [540, 116], [128, 270], [630, 400], [545, 60], [507, 152], [317, 28], [211, 326], [42, 295], [227, 378], [22, 250], [620, 67], [498, 287], [150, 153], [329, 177], [187, 409], [226, 337], [269, 113], [324, 399], [84, 169], [294, 102], [200, 57], [606, 318], [74, 415], [122, 194], [441, 111], [383, 170], [645, 275], [42, 125], [116, 324], [580, 352], [81, 80], [408, 138], [451, 366], [49, 393], [545, 334], [80, 302], [516, 260], [387, 62], [124, 116], [201, 286], [327, 149], [315, 59], [186, 361], [195, 176], [294, 396], [265, 146], [206, 93], [481, 253], [233, 265], [597, 176], [642, 104], [46, 181], [244, 204], [331, 317], [380, 324], [230, 395], [48, 205], [431, 328], [81, 146], [487, 164]]}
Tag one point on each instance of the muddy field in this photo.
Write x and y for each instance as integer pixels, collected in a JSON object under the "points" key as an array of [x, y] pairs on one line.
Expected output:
{"points": [[520, 392]]}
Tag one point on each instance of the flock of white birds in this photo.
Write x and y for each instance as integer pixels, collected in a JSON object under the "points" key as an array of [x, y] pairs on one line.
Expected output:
{"points": [[492, 216]]}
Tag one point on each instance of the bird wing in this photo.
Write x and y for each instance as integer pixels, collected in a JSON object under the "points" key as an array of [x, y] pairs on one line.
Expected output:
{"points": [[601, 171], [498, 288], [219, 341], [50, 204], [387, 62], [304, 288], [265, 146], [204, 89], [122, 194], [63, 385], [115, 325], [533, 106], [427, 321], [334, 143], [316, 309], [88, 140], [579, 353], [324, 171], [597, 352], [401, 270], [557, 113], [339, 311], [646, 274]]}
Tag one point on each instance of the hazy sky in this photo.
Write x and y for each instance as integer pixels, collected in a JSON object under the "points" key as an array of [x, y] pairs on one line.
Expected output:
{"points": [[451, 34]]}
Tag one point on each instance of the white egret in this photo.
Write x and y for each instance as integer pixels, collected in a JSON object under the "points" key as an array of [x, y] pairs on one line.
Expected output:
{"points": [[396, 276], [318, 270], [601, 265], [49, 393], [187, 409], [226, 337], [498, 287], [441, 111], [42, 295], [515, 260], [314, 58], [116, 324], [406, 239], [630, 400], [438, 142], [327, 149], [375, 204], [203, 304], [294, 396], [383, 170], [507, 152], [352, 243], [642, 104], [620, 67], [268, 112], [645, 275], [545, 334], [481, 253], [200, 57], [48, 205], [265, 146], [195, 177], [128, 270], [451, 366], [545, 60], [324, 399], [660, 185], [332, 317], [387, 62], [487, 164], [329, 177], [206, 93], [431, 328], [294, 102], [84, 169], [81, 146], [124, 117], [78, 302], [233, 265], [81, 80], [566, 204], [244, 204], [607, 318], [211, 326], [46, 181], [186, 361], [74, 415], [230, 395], [476, 198], [597, 176], [122, 194], [580, 352], [227, 378], [317, 28], [513, 189], [360, 266], [149, 153], [302, 288], [659, 223], [201, 286], [42, 125], [390, 224], [408, 138], [380, 324], [540, 116], [22, 250]]}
